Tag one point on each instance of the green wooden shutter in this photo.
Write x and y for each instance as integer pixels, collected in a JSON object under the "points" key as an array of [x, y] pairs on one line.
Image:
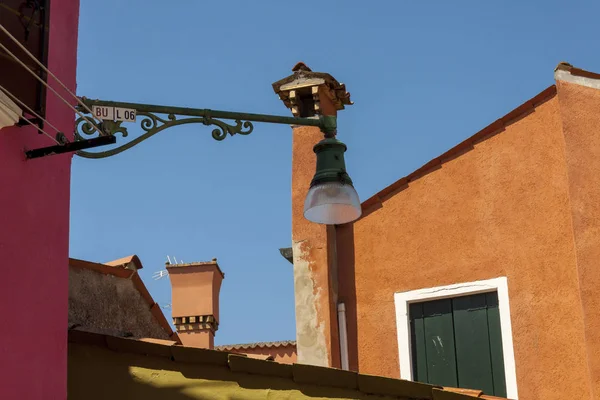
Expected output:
{"points": [[438, 342], [472, 343], [493, 314], [417, 335], [457, 342]]}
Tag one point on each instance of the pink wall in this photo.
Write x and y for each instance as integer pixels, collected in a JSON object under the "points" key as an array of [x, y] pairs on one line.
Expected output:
{"points": [[34, 239]]}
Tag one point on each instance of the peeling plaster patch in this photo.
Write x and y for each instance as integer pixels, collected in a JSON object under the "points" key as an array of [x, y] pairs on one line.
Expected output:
{"points": [[310, 334]]}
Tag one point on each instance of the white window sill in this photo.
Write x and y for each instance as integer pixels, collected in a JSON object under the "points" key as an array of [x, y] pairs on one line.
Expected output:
{"points": [[9, 111]]}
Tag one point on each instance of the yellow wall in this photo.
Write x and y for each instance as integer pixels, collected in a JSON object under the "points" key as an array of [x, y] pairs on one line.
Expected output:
{"points": [[97, 373], [105, 367]]}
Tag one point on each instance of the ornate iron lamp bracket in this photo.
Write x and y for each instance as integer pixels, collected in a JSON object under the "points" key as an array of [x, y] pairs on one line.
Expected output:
{"points": [[151, 123]]}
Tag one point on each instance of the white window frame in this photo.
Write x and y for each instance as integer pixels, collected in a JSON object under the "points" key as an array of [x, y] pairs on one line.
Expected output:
{"points": [[499, 285]]}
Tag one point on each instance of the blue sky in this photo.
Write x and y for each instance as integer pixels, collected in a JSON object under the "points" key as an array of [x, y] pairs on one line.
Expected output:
{"points": [[423, 76]]}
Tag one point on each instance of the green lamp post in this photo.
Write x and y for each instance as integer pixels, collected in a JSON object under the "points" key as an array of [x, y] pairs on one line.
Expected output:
{"points": [[331, 200]]}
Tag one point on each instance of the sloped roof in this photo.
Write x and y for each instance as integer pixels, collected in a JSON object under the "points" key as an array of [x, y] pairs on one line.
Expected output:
{"points": [[495, 127], [125, 261], [246, 346], [324, 382], [118, 268], [565, 66]]}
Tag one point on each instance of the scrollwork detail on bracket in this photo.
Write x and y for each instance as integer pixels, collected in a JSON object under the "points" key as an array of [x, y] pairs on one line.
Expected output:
{"points": [[87, 127], [151, 124]]}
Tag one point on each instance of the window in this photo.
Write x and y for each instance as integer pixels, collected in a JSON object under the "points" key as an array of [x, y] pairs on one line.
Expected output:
{"points": [[458, 335], [27, 21], [456, 342]]}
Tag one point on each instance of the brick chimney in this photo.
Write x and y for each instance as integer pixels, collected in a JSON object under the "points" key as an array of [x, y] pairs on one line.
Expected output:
{"points": [[311, 94], [195, 301]]}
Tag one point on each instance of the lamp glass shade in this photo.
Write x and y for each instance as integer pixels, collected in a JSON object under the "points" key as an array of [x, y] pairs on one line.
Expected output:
{"points": [[332, 203]]}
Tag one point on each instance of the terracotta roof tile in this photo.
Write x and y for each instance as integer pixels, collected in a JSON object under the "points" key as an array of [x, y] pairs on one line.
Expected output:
{"points": [[565, 66], [385, 386], [239, 363], [260, 357], [469, 392], [102, 268], [195, 355], [158, 341], [299, 373], [229, 347], [444, 394], [374, 202], [125, 261]]}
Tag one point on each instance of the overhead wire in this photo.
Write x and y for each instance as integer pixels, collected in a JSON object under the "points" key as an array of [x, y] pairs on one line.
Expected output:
{"points": [[3, 47], [29, 109], [26, 120], [49, 87], [44, 68]]}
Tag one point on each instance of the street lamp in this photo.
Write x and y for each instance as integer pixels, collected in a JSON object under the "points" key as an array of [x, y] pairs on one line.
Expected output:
{"points": [[331, 200]]}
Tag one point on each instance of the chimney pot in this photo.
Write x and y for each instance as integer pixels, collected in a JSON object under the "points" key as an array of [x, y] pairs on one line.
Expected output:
{"points": [[195, 301]]}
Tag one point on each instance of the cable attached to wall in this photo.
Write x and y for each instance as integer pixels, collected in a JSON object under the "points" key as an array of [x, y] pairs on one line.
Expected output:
{"points": [[13, 97], [44, 68], [62, 143], [49, 87], [30, 111]]}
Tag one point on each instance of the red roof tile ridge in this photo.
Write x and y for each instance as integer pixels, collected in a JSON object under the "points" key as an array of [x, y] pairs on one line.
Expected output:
{"points": [[456, 151], [123, 262], [565, 66], [283, 343], [99, 267]]}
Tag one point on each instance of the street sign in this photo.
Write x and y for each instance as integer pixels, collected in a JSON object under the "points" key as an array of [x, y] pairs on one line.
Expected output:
{"points": [[102, 112], [125, 114], [114, 113]]}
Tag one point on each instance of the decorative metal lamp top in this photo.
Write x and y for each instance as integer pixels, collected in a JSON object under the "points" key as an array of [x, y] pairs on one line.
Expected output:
{"points": [[303, 79]]}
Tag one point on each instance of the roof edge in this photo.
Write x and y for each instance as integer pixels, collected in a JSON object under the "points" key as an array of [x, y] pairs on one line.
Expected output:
{"points": [[137, 282], [101, 268], [199, 264], [125, 261], [568, 73], [376, 201], [257, 345], [295, 373]]}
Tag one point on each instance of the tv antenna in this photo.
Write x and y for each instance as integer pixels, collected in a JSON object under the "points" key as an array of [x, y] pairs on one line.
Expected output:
{"points": [[163, 272]]}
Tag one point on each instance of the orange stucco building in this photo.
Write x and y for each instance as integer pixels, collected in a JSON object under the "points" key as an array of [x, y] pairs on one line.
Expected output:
{"points": [[500, 235]]}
